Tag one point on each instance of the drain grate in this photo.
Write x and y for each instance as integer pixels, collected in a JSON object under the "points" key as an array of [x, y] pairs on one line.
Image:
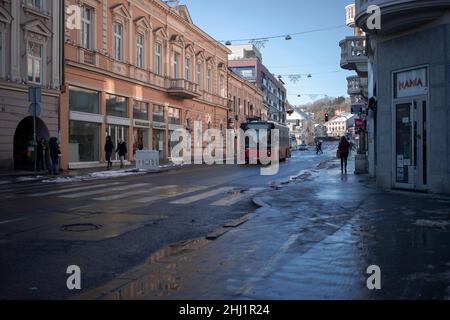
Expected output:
{"points": [[81, 227]]}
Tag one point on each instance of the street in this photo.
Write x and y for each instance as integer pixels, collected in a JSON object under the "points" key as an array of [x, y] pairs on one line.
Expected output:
{"points": [[108, 226]]}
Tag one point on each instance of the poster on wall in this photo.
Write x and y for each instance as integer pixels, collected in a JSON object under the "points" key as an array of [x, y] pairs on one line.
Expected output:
{"points": [[411, 83]]}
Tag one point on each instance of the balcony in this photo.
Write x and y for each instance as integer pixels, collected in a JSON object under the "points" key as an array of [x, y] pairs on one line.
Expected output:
{"points": [[354, 55], [183, 89], [353, 85], [400, 15]]}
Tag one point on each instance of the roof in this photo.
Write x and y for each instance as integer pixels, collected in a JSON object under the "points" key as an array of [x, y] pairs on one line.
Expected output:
{"points": [[299, 115]]}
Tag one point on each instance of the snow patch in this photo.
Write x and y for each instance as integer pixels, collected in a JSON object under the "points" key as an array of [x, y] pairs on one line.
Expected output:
{"points": [[432, 224]]}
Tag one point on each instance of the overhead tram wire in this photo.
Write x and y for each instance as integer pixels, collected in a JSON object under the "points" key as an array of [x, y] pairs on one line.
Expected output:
{"points": [[286, 36]]}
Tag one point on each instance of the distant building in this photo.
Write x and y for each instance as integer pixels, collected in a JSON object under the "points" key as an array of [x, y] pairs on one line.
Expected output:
{"points": [[245, 101], [302, 126], [246, 61], [320, 131], [340, 125]]}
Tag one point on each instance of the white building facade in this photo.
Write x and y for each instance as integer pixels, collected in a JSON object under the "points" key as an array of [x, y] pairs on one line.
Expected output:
{"points": [[30, 55]]}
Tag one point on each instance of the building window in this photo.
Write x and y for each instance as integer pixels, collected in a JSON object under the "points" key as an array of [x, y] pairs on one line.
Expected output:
{"points": [[158, 58], [198, 77], [158, 114], [86, 28], [174, 116], [187, 69], [83, 100], [222, 86], [83, 141], [34, 62], [208, 81], [116, 106], [118, 41], [140, 51], [176, 65], [37, 4], [140, 110]]}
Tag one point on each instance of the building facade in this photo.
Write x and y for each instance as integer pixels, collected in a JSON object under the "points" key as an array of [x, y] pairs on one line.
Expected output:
{"points": [[341, 125], [245, 101], [409, 81], [354, 57], [30, 51], [137, 70], [246, 61], [301, 125]]}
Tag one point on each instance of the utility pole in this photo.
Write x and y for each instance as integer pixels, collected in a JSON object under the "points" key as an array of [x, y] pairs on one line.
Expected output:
{"points": [[34, 97]]}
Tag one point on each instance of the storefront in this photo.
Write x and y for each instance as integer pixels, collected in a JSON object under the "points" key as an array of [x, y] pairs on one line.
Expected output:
{"points": [[410, 114], [159, 130], [141, 126], [84, 126]]}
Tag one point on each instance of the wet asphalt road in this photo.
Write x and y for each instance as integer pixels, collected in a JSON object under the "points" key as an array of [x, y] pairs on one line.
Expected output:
{"points": [[135, 217]]}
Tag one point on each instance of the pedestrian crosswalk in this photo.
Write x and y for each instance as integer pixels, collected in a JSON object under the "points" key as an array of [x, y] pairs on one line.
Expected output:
{"points": [[147, 193]]}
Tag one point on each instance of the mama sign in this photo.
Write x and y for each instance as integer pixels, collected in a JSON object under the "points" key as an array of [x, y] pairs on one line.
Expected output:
{"points": [[411, 83]]}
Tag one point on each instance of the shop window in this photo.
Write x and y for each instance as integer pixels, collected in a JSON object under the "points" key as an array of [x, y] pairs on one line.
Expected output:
{"points": [[83, 141], [83, 100], [140, 110], [158, 114], [116, 106], [174, 116]]}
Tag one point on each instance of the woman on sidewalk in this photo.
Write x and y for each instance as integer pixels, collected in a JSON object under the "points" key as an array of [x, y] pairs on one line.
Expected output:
{"points": [[122, 151], [54, 154], [344, 150]]}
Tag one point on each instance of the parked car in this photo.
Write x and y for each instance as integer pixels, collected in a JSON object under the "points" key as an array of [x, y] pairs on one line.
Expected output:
{"points": [[303, 147]]}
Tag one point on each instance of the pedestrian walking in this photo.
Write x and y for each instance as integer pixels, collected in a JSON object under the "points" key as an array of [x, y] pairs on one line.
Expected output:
{"points": [[343, 152], [40, 155], [319, 147], [109, 148], [122, 151], [54, 154], [47, 158]]}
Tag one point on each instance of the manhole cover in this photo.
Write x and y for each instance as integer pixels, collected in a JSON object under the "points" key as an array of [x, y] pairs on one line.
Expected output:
{"points": [[81, 227]]}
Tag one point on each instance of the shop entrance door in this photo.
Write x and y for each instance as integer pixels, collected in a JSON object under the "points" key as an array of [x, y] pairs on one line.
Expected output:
{"points": [[411, 145]]}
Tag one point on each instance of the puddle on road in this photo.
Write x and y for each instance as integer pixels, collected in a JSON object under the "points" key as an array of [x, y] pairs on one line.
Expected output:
{"points": [[156, 278]]}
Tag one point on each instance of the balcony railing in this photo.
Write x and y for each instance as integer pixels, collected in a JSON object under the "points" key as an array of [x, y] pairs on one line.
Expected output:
{"points": [[350, 15], [353, 85], [182, 88], [353, 54]]}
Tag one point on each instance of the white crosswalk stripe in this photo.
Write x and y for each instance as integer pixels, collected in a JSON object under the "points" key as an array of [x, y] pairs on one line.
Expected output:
{"points": [[105, 190], [122, 195], [202, 196], [169, 192], [49, 193], [235, 197]]}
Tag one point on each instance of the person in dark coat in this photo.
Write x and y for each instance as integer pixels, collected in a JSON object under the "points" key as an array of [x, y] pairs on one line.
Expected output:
{"points": [[109, 148], [40, 155], [122, 151], [54, 154], [344, 151]]}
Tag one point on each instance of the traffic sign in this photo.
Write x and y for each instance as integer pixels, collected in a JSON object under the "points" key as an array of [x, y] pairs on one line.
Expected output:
{"points": [[359, 123], [35, 109], [34, 94]]}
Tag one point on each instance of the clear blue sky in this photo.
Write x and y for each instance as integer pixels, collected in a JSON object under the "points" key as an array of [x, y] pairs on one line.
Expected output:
{"points": [[315, 53]]}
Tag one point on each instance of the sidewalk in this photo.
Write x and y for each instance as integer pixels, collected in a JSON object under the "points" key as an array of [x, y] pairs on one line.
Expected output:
{"points": [[313, 239], [16, 176]]}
